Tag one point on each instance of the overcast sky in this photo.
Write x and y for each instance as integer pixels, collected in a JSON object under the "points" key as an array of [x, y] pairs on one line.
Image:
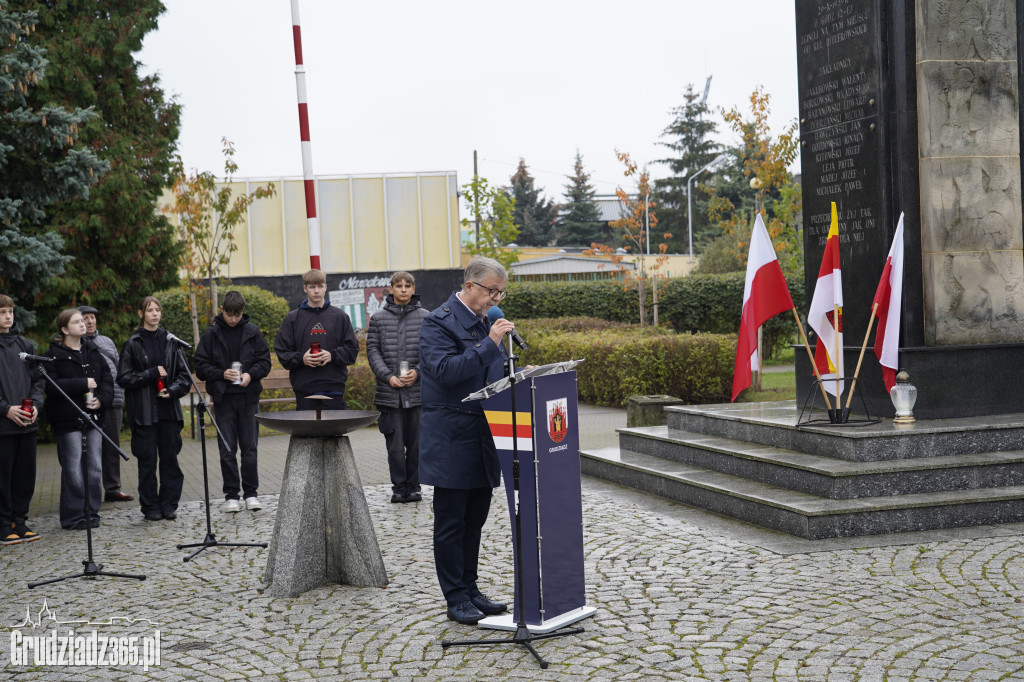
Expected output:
{"points": [[415, 85]]}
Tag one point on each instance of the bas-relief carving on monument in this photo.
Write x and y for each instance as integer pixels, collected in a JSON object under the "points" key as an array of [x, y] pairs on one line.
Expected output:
{"points": [[976, 300], [971, 204], [966, 29], [967, 108], [970, 171]]}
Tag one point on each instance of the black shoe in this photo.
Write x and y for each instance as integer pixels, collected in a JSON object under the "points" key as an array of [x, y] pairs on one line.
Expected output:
{"points": [[465, 613], [414, 496], [79, 525], [397, 498], [170, 515], [95, 522], [485, 605], [153, 516]]}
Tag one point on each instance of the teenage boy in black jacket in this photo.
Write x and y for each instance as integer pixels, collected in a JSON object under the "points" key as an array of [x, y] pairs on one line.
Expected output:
{"points": [[18, 428], [316, 321], [236, 393]]}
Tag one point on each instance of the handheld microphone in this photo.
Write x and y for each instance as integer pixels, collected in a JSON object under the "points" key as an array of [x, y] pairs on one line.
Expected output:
{"points": [[28, 357], [174, 339], [494, 313]]}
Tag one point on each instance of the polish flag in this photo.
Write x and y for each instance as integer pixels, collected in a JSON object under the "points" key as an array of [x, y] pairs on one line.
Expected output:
{"points": [[888, 297], [827, 300], [765, 295]]}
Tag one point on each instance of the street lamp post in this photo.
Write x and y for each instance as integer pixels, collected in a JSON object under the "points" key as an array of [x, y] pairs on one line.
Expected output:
{"points": [[719, 160]]}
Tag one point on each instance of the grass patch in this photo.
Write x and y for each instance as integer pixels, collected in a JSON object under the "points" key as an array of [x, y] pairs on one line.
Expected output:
{"points": [[774, 386]]}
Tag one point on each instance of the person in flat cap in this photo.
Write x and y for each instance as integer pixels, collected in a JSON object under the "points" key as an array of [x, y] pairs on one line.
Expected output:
{"points": [[114, 414]]}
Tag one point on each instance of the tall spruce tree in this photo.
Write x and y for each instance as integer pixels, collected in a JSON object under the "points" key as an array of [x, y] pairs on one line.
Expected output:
{"points": [[580, 222], [689, 139], [122, 246], [534, 216], [42, 162]]}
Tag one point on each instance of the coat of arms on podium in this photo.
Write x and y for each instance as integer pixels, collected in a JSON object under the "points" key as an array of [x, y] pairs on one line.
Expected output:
{"points": [[558, 420]]}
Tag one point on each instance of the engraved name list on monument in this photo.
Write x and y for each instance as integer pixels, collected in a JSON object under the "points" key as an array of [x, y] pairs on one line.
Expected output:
{"points": [[838, 116], [841, 149]]}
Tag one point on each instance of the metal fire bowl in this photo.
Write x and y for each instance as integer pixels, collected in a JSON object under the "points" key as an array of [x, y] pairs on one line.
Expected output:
{"points": [[304, 422]]}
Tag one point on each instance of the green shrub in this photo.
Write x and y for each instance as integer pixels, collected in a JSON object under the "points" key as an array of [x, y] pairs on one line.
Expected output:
{"points": [[694, 304], [621, 362], [264, 309], [361, 386]]}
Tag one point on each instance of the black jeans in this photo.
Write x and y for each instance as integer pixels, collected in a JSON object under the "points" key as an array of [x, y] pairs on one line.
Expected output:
{"points": [[459, 517], [158, 444], [401, 429], [236, 417], [17, 475]]}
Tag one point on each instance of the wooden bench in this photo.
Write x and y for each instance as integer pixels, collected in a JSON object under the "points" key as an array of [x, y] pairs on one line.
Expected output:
{"points": [[276, 380]]}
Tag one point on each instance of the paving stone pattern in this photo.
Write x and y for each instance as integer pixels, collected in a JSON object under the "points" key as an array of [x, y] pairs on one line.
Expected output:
{"points": [[676, 599]]}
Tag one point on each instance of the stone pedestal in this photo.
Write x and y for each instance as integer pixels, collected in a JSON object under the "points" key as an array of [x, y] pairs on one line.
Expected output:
{"points": [[323, 532], [648, 410]]}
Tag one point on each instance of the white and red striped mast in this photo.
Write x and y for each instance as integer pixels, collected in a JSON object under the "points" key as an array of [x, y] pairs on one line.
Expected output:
{"points": [[312, 224]]}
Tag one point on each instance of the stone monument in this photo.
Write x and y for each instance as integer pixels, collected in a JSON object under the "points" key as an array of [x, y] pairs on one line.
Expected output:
{"points": [[914, 107]]}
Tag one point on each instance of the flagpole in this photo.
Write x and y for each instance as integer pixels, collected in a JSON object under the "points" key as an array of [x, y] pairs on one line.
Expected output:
{"points": [[864, 347], [814, 366], [835, 325]]}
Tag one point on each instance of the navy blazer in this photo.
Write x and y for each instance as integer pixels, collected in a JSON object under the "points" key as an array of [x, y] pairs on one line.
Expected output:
{"points": [[456, 358]]}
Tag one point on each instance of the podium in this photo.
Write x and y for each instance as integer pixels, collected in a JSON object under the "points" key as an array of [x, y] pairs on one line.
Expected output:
{"points": [[553, 589]]}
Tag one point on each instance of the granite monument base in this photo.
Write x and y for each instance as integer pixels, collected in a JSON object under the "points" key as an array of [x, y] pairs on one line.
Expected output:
{"points": [[323, 532], [951, 381]]}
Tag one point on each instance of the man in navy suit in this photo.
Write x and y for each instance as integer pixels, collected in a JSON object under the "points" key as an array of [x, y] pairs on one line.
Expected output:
{"points": [[460, 352]]}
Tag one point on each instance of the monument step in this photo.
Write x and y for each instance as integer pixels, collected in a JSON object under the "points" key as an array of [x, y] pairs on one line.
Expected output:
{"points": [[801, 514], [774, 424], [826, 476]]}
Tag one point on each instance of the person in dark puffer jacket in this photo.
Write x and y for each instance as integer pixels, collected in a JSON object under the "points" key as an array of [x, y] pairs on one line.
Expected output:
{"points": [[394, 338], [79, 370]]}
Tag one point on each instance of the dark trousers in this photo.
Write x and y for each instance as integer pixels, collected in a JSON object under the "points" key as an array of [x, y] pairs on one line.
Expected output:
{"points": [[158, 444], [17, 475], [459, 516], [236, 417], [74, 481], [111, 458], [336, 402], [401, 429]]}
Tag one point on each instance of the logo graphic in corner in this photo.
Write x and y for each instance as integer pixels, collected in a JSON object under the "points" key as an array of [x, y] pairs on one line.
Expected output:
{"points": [[558, 419], [318, 329], [50, 641]]}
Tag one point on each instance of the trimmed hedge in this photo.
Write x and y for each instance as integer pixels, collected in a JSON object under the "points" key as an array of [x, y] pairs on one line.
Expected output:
{"points": [[264, 309], [623, 361], [694, 304]]}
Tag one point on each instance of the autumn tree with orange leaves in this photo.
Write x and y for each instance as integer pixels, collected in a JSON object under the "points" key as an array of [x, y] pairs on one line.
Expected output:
{"points": [[761, 171]]}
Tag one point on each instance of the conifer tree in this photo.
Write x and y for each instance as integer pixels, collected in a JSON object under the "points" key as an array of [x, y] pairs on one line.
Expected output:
{"points": [[580, 223], [122, 246], [689, 139], [42, 162], [534, 216]]}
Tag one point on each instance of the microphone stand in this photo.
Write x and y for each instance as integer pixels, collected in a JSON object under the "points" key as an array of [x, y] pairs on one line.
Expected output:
{"points": [[523, 636], [90, 569], [210, 540]]}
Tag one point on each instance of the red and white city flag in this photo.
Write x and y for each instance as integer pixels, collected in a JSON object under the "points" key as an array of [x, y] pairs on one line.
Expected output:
{"points": [[888, 296], [826, 313], [765, 295]]}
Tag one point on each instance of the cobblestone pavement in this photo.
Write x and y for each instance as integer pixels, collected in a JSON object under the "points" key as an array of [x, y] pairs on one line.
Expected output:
{"points": [[679, 595]]}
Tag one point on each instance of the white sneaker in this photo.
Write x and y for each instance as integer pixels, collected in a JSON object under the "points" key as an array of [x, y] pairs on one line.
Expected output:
{"points": [[253, 503], [232, 506]]}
